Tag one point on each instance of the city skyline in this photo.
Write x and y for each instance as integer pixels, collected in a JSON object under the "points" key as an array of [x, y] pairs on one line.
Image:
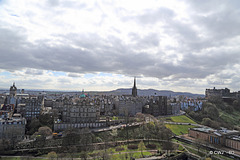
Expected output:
{"points": [[100, 46]]}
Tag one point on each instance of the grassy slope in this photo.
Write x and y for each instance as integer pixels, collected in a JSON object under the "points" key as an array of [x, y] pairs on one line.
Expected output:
{"points": [[232, 118], [120, 154], [183, 119], [179, 129]]}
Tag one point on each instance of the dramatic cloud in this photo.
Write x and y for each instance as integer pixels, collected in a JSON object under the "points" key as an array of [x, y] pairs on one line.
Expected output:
{"points": [[176, 45]]}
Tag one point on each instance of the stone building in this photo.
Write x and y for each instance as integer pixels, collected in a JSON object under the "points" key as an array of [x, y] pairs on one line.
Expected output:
{"points": [[79, 113], [200, 133], [106, 106], [233, 142], [13, 128], [54, 106], [222, 137], [157, 105], [2, 100], [128, 105], [61, 126], [13, 90], [31, 107], [83, 110], [12, 97], [6, 111], [221, 93], [191, 104], [175, 108]]}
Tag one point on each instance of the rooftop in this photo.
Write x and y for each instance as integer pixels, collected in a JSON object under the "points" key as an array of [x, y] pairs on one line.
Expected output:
{"points": [[204, 129], [222, 131]]}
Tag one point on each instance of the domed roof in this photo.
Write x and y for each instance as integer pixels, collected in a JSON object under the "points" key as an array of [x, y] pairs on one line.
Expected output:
{"points": [[83, 95]]}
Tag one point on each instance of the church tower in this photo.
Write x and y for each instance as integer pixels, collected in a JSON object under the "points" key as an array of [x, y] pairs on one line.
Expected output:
{"points": [[134, 89], [13, 90]]}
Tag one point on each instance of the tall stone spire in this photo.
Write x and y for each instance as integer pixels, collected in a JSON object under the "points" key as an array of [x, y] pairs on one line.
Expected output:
{"points": [[134, 89]]}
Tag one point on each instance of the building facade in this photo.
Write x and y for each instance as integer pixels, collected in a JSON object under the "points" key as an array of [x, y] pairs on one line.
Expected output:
{"points": [[221, 93], [223, 137], [191, 104], [13, 128], [157, 105], [31, 107], [83, 110], [67, 126], [129, 105]]}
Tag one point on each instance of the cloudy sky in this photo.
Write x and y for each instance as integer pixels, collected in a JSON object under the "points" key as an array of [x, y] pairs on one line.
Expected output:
{"points": [[179, 45]]}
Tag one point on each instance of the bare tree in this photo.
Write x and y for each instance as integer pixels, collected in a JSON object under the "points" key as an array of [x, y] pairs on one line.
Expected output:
{"points": [[168, 146]]}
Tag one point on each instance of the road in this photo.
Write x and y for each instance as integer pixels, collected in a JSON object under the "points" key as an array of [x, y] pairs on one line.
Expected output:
{"points": [[116, 127]]}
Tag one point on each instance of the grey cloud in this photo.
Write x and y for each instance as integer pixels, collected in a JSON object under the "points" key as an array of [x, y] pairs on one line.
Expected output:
{"points": [[64, 4], [35, 83], [149, 41], [34, 72], [206, 6], [53, 2], [14, 50], [225, 75], [74, 75], [63, 80], [218, 20], [221, 25], [201, 56], [98, 56], [153, 16], [235, 82], [147, 82], [216, 82]]}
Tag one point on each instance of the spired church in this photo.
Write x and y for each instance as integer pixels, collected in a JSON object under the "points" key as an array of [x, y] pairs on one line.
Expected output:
{"points": [[134, 89]]}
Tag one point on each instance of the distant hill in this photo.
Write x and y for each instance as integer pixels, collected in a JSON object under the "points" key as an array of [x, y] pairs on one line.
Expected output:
{"points": [[151, 92], [121, 91]]}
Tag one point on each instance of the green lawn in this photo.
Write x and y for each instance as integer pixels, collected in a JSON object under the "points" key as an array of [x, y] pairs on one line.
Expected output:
{"points": [[125, 148], [129, 155], [180, 148], [114, 118], [179, 129], [113, 154], [120, 154], [183, 119]]}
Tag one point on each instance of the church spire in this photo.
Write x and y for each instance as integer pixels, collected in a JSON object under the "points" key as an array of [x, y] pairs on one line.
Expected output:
{"points": [[134, 89], [134, 82]]}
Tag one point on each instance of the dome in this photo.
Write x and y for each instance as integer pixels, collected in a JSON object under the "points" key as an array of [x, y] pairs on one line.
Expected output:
{"points": [[82, 96]]}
